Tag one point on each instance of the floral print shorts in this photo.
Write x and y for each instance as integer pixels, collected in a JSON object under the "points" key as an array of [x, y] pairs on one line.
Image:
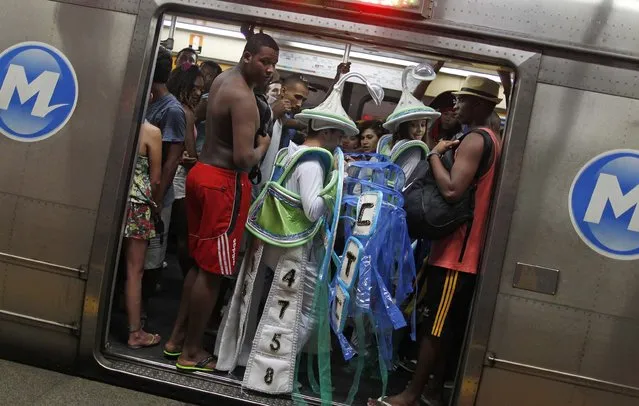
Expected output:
{"points": [[138, 222]]}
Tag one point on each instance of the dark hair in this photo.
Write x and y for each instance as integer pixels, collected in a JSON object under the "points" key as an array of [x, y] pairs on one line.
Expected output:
{"points": [[217, 69], [374, 125], [182, 81], [443, 100], [255, 42], [293, 80], [402, 132], [187, 49], [163, 65]]}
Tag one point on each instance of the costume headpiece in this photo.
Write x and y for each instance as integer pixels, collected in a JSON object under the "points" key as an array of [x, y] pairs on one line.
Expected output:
{"points": [[331, 114], [409, 108]]}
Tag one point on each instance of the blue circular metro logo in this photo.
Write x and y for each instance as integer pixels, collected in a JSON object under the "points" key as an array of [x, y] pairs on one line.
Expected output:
{"points": [[38, 91], [604, 204]]}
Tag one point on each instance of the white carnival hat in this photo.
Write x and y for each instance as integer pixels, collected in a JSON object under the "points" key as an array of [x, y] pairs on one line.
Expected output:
{"points": [[409, 108], [331, 114]]}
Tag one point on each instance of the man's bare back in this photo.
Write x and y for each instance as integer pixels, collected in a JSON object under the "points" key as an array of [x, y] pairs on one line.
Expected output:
{"points": [[231, 100]]}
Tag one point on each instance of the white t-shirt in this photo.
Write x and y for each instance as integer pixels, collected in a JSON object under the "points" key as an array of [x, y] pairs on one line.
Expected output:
{"points": [[307, 180]]}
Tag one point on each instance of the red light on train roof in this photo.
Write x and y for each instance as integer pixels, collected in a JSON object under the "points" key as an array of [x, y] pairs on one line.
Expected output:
{"points": [[391, 3]]}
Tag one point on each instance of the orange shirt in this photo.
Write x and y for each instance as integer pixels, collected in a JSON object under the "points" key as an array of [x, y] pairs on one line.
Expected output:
{"points": [[445, 252]]}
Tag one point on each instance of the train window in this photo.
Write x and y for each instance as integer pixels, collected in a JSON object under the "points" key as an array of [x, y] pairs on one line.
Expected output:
{"points": [[368, 109], [316, 59]]}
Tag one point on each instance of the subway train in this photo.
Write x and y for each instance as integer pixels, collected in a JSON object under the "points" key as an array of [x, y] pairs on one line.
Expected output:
{"points": [[555, 318]]}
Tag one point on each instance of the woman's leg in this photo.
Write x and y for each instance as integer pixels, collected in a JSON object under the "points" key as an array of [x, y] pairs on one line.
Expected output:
{"points": [[135, 251]]}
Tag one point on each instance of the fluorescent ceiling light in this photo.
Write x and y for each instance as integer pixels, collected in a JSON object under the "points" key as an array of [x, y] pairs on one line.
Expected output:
{"points": [[316, 48], [329, 50], [464, 73], [387, 60], [206, 30]]}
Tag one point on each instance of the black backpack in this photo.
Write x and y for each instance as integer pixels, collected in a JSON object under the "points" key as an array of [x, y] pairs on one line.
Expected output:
{"points": [[266, 129], [428, 214]]}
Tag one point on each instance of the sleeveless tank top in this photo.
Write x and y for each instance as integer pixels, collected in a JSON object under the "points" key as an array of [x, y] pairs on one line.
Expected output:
{"points": [[445, 252], [141, 186]]}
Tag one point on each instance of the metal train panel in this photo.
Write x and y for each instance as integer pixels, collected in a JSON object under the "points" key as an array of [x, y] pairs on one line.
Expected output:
{"points": [[51, 298], [125, 6], [53, 233], [566, 131], [609, 352], [533, 325], [589, 76], [51, 189], [592, 397], [505, 388], [602, 24], [7, 217], [581, 329], [63, 202], [49, 346], [508, 388]]}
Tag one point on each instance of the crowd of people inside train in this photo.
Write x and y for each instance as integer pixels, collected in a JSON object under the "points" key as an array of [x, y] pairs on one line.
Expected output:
{"points": [[200, 163]]}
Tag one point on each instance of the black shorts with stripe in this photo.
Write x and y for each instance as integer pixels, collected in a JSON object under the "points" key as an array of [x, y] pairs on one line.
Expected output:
{"points": [[449, 295]]}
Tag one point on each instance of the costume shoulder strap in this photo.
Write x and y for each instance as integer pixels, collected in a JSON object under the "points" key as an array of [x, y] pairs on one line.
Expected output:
{"points": [[409, 145], [383, 146], [290, 162]]}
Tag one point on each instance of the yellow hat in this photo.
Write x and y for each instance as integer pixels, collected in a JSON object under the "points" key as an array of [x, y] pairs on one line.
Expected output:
{"points": [[480, 87]]}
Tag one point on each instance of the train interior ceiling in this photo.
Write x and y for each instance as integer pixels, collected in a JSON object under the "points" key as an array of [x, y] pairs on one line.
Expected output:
{"points": [[316, 59]]}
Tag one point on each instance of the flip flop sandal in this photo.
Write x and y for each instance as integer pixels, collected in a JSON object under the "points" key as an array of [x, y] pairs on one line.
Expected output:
{"points": [[381, 401], [172, 354], [154, 340], [200, 366], [430, 402]]}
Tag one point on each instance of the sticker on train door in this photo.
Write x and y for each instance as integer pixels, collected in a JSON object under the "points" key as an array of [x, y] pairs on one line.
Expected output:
{"points": [[38, 91], [604, 204]]}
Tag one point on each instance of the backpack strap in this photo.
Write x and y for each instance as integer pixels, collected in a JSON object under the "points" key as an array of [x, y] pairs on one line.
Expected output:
{"points": [[487, 155]]}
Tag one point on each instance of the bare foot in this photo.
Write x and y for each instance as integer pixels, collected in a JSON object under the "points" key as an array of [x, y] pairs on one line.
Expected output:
{"points": [[142, 339], [172, 349]]}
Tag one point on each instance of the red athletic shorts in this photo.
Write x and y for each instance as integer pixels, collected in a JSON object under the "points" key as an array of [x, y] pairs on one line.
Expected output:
{"points": [[217, 206]]}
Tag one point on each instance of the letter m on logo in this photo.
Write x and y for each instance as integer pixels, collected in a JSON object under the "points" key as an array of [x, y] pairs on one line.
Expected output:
{"points": [[43, 86], [607, 190]]}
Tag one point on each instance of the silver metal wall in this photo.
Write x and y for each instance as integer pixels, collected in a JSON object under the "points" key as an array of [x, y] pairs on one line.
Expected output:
{"points": [[503, 388], [590, 327], [61, 199], [602, 24], [50, 190]]}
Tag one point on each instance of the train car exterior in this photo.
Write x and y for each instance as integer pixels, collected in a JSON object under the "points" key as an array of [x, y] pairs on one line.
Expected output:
{"points": [[556, 316]]}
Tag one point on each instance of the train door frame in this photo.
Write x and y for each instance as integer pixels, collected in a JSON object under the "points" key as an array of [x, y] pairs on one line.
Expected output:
{"points": [[340, 26]]}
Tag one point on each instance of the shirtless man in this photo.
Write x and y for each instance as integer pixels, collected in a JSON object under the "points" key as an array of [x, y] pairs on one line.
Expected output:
{"points": [[218, 193]]}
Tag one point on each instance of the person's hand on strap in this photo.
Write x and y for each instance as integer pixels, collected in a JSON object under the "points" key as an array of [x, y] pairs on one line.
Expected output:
{"points": [[342, 69]]}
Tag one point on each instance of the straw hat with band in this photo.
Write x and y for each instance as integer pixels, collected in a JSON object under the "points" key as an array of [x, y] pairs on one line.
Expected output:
{"points": [[409, 108], [480, 87], [331, 115]]}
